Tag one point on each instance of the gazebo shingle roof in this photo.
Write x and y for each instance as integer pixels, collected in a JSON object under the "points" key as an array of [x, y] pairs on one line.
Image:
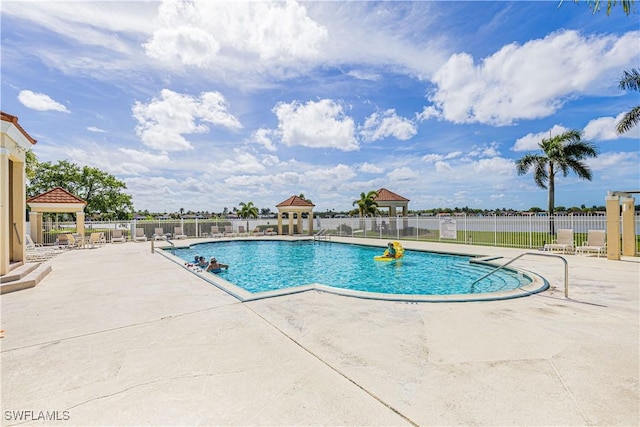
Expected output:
{"points": [[56, 195], [294, 201], [385, 195]]}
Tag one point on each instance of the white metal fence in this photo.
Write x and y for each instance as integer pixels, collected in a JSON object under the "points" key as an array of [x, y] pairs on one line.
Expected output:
{"points": [[509, 231]]}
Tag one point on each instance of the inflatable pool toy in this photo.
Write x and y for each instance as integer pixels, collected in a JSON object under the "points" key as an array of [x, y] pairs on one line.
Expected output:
{"points": [[385, 256]]}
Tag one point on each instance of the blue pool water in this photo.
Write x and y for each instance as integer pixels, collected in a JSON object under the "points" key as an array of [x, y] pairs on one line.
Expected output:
{"points": [[259, 266]]}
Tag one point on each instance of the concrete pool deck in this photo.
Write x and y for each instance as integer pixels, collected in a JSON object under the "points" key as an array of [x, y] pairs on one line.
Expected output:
{"points": [[120, 336]]}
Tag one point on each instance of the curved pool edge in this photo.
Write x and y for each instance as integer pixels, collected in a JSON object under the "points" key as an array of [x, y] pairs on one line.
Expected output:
{"points": [[538, 284]]}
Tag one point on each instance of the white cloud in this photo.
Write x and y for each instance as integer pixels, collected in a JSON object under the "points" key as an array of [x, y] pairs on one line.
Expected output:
{"points": [[95, 129], [200, 33], [364, 75], [615, 161], [382, 125], [162, 122], [321, 124], [264, 137], [402, 174], [40, 102], [428, 112], [531, 140], [604, 129], [495, 166], [241, 162], [370, 168], [443, 167], [338, 173], [521, 81]]}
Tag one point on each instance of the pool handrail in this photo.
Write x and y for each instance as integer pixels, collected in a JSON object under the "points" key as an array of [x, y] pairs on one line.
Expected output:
{"points": [[566, 269]]}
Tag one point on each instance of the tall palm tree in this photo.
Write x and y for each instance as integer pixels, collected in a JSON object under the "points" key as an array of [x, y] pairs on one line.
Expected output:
{"points": [[561, 153], [247, 210], [366, 205], [630, 81], [304, 198]]}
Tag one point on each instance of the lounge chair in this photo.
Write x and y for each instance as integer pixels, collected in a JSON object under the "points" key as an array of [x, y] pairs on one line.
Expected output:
{"points": [[38, 252], [118, 236], [563, 241], [140, 237], [96, 239], [178, 234], [242, 231], [66, 241], [159, 234], [596, 242], [228, 231], [270, 232], [257, 232], [215, 232]]}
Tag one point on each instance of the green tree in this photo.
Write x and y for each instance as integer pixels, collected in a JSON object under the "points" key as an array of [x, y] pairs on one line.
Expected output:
{"points": [[304, 198], [561, 153], [102, 191], [594, 5], [630, 81], [247, 210], [366, 206], [31, 162]]}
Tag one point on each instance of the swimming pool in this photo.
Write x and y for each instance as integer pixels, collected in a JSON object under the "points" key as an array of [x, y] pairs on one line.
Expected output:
{"points": [[263, 265]]}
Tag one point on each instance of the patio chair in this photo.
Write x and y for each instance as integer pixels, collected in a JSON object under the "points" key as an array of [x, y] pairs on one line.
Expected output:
{"points": [[97, 239], [269, 232], [257, 232], [159, 234], [563, 241], [118, 236], [242, 231], [228, 231], [140, 237], [178, 234], [66, 241], [596, 242], [38, 252], [215, 232]]}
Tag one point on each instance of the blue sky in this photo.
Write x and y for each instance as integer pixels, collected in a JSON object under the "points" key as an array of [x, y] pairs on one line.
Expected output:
{"points": [[203, 105]]}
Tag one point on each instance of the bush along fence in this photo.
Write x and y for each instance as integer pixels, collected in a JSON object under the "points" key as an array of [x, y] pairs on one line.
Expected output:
{"points": [[517, 231]]}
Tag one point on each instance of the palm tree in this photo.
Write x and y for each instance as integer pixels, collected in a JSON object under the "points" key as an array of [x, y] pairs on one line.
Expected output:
{"points": [[248, 210], [561, 153], [366, 205], [630, 81]]}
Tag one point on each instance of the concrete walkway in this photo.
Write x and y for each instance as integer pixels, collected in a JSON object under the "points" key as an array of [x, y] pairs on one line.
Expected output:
{"points": [[120, 336]]}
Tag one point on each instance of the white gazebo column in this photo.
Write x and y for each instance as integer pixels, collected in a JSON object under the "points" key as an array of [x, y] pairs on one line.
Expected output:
{"points": [[279, 223], [299, 222], [35, 225], [613, 227], [628, 227], [80, 223], [311, 223], [290, 223]]}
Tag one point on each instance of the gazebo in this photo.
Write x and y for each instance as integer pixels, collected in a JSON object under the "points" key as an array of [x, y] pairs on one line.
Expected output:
{"points": [[295, 205], [57, 200], [14, 142], [388, 199]]}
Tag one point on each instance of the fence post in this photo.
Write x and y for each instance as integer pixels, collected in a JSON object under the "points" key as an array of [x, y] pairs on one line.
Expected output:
{"points": [[495, 229]]}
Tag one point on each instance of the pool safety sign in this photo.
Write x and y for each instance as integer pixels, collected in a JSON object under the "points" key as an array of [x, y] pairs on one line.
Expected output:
{"points": [[448, 229]]}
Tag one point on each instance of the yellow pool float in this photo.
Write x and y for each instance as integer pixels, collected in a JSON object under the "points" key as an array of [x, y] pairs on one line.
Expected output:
{"points": [[386, 257]]}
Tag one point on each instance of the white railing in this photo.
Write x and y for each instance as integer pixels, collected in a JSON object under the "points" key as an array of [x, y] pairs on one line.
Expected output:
{"points": [[518, 231]]}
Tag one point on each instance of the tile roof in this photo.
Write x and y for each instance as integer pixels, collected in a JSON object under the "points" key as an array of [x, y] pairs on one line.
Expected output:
{"points": [[294, 201], [56, 195], [14, 120], [385, 195]]}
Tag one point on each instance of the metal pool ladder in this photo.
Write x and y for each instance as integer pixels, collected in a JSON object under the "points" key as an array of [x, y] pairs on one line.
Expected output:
{"points": [[566, 269]]}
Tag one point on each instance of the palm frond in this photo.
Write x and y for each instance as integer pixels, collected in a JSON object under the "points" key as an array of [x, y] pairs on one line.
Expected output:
{"points": [[629, 120], [630, 80]]}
